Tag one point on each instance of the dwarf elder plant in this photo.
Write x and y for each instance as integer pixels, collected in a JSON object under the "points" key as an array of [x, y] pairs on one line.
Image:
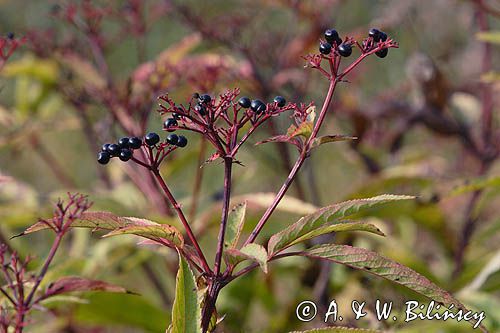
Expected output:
{"points": [[228, 121]]}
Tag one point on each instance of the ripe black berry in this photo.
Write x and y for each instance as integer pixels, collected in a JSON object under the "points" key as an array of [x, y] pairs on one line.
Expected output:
{"points": [[332, 36], [172, 139], [176, 116], [182, 141], [280, 100], [382, 53], [10, 35], [258, 106], [105, 147], [325, 48], [103, 157], [375, 34], [205, 98], [345, 50], [114, 149], [383, 36], [152, 139], [245, 102], [135, 142], [169, 123], [123, 142], [196, 95], [125, 154], [201, 109]]}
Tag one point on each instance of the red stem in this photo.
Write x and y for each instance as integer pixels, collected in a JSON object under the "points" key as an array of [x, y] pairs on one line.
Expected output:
{"points": [[180, 213]]}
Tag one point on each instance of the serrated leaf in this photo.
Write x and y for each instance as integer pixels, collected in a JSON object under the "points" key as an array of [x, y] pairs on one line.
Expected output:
{"points": [[303, 129], [324, 216], [186, 311], [489, 36], [252, 251], [70, 284], [339, 227], [338, 330], [118, 225], [235, 223], [331, 138], [158, 233], [381, 266]]}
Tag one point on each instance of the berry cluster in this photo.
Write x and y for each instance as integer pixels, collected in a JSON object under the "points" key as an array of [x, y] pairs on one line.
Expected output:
{"points": [[124, 148], [344, 48], [220, 119]]}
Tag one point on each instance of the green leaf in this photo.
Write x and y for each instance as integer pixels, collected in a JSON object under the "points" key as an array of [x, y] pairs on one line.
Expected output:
{"points": [[329, 214], [489, 36], [331, 138], [338, 330], [378, 265], [186, 311], [475, 185], [339, 227], [252, 251], [119, 225], [235, 223], [288, 204], [304, 129]]}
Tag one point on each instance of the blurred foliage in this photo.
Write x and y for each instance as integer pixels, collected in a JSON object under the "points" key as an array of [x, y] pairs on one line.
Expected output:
{"points": [[46, 150]]}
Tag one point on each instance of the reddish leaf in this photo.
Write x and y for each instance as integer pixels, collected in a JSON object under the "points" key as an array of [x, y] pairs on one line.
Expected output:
{"points": [[70, 284]]}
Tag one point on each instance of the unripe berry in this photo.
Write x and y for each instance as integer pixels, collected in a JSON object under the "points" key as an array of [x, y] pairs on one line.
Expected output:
{"points": [[103, 157], [205, 98], [325, 48], [245, 102], [258, 106], [135, 142], [114, 149], [345, 50], [152, 139], [182, 141], [123, 142], [125, 154], [280, 100], [172, 139], [169, 123]]}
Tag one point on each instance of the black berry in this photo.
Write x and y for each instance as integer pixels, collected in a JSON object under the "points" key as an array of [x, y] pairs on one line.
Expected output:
{"points": [[205, 98], [114, 149], [182, 141], [125, 154], [325, 48], [245, 102], [135, 142], [152, 139], [103, 157], [375, 34], [105, 147], [201, 109], [258, 106], [345, 50], [383, 36], [196, 95], [123, 142], [10, 35], [176, 116], [382, 53], [172, 139], [169, 123], [332, 36], [280, 100]]}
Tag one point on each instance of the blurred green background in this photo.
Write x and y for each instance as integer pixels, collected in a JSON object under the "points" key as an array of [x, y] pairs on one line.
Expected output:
{"points": [[418, 114]]}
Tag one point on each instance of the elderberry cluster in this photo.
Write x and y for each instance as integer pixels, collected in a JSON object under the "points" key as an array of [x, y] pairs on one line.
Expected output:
{"points": [[257, 105], [344, 48], [124, 148]]}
